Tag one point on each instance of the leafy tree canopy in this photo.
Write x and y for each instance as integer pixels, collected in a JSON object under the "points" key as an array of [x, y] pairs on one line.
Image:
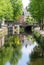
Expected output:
{"points": [[10, 9], [30, 20], [36, 8], [6, 9], [17, 8]]}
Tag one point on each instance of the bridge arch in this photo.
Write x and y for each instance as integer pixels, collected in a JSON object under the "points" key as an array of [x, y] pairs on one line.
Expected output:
{"points": [[28, 29]]}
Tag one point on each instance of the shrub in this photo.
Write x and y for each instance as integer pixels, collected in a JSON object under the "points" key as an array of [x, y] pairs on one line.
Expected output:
{"points": [[21, 30], [39, 38]]}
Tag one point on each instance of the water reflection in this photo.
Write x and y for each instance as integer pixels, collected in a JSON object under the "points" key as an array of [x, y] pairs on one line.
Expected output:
{"points": [[17, 50], [26, 51], [36, 57], [39, 61], [7, 63], [2, 40], [10, 51]]}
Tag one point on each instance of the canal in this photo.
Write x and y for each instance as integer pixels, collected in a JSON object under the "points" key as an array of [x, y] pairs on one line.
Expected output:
{"points": [[19, 50]]}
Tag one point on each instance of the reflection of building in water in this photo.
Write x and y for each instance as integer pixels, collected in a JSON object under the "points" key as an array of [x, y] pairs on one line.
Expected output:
{"points": [[22, 38], [2, 41]]}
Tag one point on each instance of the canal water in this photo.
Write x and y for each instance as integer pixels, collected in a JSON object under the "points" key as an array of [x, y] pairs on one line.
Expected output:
{"points": [[17, 50]]}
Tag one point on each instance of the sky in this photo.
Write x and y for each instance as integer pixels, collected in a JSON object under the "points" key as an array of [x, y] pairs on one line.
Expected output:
{"points": [[25, 3]]}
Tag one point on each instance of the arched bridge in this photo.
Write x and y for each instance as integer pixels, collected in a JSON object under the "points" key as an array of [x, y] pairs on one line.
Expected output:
{"points": [[27, 27]]}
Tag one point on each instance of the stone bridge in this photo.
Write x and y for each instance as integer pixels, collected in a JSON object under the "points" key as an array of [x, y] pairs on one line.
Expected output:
{"points": [[28, 27], [14, 27]]}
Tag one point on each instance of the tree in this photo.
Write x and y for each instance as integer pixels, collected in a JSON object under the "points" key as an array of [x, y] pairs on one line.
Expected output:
{"points": [[30, 20], [6, 10], [36, 8], [10, 9], [17, 8]]}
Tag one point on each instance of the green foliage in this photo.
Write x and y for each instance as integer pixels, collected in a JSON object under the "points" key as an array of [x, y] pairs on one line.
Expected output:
{"points": [[21, 30], [36, 34], [12, 41], [31, 38], [6, 10], [10, 9], [17, 8], [36, 8], [39, 39], [30, 20]]}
